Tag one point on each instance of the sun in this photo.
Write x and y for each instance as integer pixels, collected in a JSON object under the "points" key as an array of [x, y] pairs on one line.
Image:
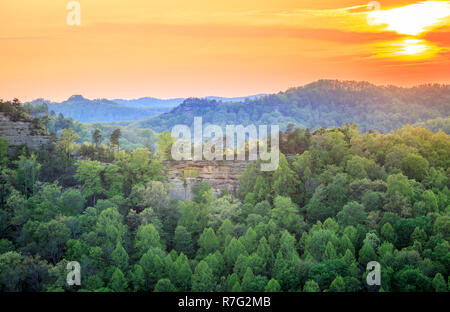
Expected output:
{"points": [[407, 49], [412, 19]]}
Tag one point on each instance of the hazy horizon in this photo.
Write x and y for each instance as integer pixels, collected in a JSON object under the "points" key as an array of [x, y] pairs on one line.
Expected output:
{"points": [[231, 48]]}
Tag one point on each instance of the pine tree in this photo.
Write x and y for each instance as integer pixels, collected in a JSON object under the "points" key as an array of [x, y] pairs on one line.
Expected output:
{"points": [[338, 285], [164, 285], [439, 283], [273, 286], [203, 279], [311, 286], [119, 257], [248, 280], [137, 278], [118, 281]]}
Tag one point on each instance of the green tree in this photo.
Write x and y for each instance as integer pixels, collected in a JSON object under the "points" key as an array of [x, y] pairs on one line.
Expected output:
{"points": [[203, 278], [311, 286], [183, 241], [438, 283], [164, 285], [67, 141], [118, 281], [89, 173], [272, 286], [367, 254], [165, 142], [415, 167], [96, 137], [208, 242], [12, 272], [27, 174], [72, 202], [114, 139], [388, 233], [147, 237], [4, 143], [137, 278], [352, 214], [119, 257], [338, 285]]}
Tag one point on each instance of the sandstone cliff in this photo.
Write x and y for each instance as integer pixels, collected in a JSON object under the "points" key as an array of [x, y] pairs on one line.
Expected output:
{"points": [[22, 132], [221, 175]]}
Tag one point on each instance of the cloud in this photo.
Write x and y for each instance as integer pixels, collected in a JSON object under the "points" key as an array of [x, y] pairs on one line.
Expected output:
{"points": [[247, 31]]}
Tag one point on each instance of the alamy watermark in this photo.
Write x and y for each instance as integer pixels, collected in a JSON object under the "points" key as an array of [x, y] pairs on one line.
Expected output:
{"points": [[374, 275], [74, 276], [74, 16], [207, 146]]}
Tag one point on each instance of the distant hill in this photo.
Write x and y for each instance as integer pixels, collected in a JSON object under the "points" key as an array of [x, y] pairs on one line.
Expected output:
{"points": [[117, 110], [435, 125], [324, 103], [150, 102], [99, 110]]}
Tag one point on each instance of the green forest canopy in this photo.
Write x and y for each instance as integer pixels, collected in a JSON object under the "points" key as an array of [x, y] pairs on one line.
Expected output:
{"points": [[340, 200]]}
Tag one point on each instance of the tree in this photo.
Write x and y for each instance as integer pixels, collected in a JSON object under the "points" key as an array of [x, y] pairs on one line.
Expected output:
{"points": [[415, 167], [388, 233], [438, 283], [147, 237], [96, 137], [208, 242], [182, 273], [272, 286], [165, 142], [12, 273], [442, 226], [286, 214], [89, 173], [164, 285], [119, 257], [248, 280], [27, 174], [352, 214], [137, 278], [284, 180], [203, 279], [356, 167], [232, 252], [67, 141], [183, 241], [412, 280], [48, 238], [72, 202], [367, 254], [118, 281], [311, 286], [114, 139], [338, 285], [4, 143], [153, 266], [398, 183]]}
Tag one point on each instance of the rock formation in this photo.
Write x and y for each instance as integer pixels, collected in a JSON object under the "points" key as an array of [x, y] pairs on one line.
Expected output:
{"points": [[21, 132], [221, 175]]}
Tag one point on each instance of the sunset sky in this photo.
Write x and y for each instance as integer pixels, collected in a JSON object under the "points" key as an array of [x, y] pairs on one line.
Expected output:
{"points": [[180, 48]]}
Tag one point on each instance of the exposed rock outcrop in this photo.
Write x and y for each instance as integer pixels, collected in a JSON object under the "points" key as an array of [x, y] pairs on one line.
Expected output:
{"points": [[221, 175], [22, 132]]}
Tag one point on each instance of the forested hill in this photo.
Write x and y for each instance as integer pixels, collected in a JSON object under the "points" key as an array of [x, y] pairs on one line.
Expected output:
{"points": [[99, 110], [323, 103], [82, 109]]}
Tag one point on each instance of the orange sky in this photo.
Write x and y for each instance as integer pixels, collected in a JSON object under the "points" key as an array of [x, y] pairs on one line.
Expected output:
{"points": [[179, 48]]}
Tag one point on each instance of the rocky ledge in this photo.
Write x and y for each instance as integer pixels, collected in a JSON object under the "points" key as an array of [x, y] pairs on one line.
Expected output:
{"points": [[20, 133], [221, 175]]}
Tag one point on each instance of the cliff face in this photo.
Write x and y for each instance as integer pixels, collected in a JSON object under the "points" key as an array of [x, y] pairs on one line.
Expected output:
{"points": [[221, 175], [21, 132]]}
